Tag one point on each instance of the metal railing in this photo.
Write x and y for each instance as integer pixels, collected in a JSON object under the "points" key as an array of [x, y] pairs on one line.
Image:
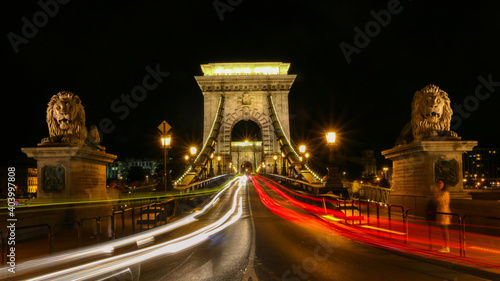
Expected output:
{"points": [[369, 192], [346, 205], [299, 184]]}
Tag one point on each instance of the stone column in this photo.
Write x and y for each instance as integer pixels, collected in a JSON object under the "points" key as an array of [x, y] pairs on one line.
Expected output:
{"points": [[69, 173], [417, 166]]}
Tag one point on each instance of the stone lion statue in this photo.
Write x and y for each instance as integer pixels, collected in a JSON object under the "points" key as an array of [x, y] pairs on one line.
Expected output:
{"points": [[66, 122], [430, 117]]}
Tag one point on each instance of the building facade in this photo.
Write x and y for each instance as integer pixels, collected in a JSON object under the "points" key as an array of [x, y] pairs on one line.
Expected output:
{"points": [[482, 168], [118, 169]]}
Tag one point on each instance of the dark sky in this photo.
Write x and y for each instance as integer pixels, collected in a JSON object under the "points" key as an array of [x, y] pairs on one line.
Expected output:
{"points": [[100, 51]]}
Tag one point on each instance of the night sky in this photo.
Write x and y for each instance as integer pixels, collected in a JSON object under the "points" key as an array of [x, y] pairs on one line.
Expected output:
{"points": [[100, 51]]}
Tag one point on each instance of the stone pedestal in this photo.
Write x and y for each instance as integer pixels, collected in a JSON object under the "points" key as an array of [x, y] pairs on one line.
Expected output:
{"points": [[417, 166], [68, 173]]}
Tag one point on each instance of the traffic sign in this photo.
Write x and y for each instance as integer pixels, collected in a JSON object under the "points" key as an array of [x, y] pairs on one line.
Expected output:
{"points": [[164, 127]]}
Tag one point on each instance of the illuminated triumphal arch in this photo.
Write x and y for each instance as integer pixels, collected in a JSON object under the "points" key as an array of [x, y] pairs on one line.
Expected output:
{"points": [[246, 90]]}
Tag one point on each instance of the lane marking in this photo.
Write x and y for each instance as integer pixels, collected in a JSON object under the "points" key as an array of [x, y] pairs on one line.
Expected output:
{"points": [[250, 271]]}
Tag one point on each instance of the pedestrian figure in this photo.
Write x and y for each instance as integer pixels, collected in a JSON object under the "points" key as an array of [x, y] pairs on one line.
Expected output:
{"points": [[442, 199]]}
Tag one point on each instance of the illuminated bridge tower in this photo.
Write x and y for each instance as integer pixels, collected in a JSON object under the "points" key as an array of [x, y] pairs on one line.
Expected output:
{"points": [[245, 88]]}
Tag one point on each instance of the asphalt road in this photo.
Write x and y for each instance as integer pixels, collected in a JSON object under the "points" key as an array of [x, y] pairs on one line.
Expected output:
{"points": [[261, 245]]}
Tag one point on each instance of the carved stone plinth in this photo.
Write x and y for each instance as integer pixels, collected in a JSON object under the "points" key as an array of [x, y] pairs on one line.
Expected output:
{"points": [[69, 173], [417, 166]]}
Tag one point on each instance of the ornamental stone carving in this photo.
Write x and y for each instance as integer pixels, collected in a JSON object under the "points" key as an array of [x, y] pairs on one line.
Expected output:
{"points": [[430, 117], [53, 178], [66, 123]]}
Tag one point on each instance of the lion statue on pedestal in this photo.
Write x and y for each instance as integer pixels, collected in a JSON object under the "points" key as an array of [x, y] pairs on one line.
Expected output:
{"points": [[430, 117], [66, 122]]}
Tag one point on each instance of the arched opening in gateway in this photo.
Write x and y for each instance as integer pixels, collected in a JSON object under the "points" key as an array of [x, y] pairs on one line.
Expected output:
{"points": [[246, 146], [246, 168], [246, 130]]}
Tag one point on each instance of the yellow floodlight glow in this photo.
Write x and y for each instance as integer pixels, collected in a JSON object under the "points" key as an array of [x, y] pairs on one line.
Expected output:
{"points": [[165, 140], [245, 68], [193, 150], [302, 148], [330, 137]]}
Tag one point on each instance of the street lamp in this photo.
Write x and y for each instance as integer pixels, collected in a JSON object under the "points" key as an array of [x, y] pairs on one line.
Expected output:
{"points": [[275, 157], [263, 168], [307, 157], [165, 143], [385, 172], [192, 151], [333, 181], [218, 165], [302, 148], [211, 172], [283, 164]]}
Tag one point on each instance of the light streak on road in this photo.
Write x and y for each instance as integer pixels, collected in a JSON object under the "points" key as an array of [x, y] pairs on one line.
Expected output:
{"points": [[383, 238], [140, 239], [110, 265]]}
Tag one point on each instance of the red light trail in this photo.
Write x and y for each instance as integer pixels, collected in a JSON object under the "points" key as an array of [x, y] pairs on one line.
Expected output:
{"points": [[382, 236]]}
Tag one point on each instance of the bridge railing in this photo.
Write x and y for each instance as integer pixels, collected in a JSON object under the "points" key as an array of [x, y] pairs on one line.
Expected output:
{"points": [[382, 216], [202, 184], [314, 188], [372, 193]]}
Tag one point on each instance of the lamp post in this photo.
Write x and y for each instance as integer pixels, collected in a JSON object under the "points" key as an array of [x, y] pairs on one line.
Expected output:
{"points": [[283, 165], [302, 149], [307, 158], [211, 172], [263, 168], [193, 151], [385, 172], [165, 143], [186, 157], [218, 165], [332, 180], [275, 157]]}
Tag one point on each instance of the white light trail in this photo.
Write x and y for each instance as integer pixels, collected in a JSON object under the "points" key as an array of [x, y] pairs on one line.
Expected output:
{"points": [[111, 265], [108, 247]]}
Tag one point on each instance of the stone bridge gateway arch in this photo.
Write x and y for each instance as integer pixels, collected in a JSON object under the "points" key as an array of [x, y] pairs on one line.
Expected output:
{"points": [[245, 88]]}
